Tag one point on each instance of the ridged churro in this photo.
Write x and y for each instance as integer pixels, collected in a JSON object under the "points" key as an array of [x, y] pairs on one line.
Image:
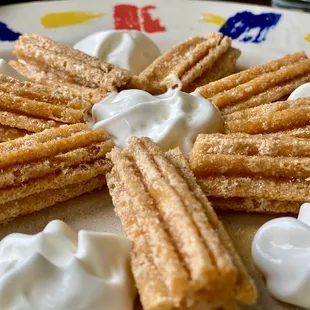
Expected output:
{"points": [[37, 76], [181, 252], [68, 64], [303, 132], [224, 66], [263, 167], [270, 118], [62, 162], [26, 107], [9, 133], [40, 58], [195, 61], [259, 85]]}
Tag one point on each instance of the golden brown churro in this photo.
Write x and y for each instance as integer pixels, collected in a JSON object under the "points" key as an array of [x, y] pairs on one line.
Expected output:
{"points": [[57, 164], [270, 118], [224, 66], [9, 133], [43, 59], [263, 167], [26, 108], [303, 132], [34, 74], [69, 64], [195, 62], [181, 252], [259, 85]]}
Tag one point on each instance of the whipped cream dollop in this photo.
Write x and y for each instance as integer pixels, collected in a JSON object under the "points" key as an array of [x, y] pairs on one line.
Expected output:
{"points": [[173, 119], [127, 49], [302, 91], [59, 269], [6, 69], [281, 250]]}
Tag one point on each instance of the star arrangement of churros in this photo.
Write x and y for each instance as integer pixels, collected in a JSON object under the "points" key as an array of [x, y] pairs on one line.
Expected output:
{"points": [[181, 254]]}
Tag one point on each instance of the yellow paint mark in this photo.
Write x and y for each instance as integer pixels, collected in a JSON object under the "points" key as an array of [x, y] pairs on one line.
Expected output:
{"points": [[307, 37], [69, 18], [213, 19]]}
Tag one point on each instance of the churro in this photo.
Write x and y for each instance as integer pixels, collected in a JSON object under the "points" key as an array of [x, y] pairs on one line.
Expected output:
{"points": [[181, 252], [195, 61], [43, 59], [224, 66], [263, 167], [26, 107], [259, 85], [9, 133], [63, 162], [270, 118], [34, 74], [303, 132]]}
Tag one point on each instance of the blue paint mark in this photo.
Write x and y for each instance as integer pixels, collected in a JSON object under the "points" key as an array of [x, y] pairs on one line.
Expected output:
{"points": [[6, 34], [248, 27]]}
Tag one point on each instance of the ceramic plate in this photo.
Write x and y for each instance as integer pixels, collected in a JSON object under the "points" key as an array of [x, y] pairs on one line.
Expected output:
{"points": [[261, 33]]}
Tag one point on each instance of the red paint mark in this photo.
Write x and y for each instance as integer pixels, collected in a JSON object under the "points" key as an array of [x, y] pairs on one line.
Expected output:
{"points": [[127, 16], [149, 24]]}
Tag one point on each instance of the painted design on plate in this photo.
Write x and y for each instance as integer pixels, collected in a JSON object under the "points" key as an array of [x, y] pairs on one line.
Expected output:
{"points": [[245, 26], [7, 34], [212, 19], [128, 16], [68, 18], [307, 37]]}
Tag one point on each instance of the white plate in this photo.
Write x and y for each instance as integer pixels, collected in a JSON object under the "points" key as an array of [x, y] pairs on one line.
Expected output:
{"points": [[166, 22]]}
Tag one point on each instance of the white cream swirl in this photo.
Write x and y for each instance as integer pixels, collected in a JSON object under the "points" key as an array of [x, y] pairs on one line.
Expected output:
{"points": [[173, 119], [281, 250], [127, 49], [59, 269], [6, 69]]}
